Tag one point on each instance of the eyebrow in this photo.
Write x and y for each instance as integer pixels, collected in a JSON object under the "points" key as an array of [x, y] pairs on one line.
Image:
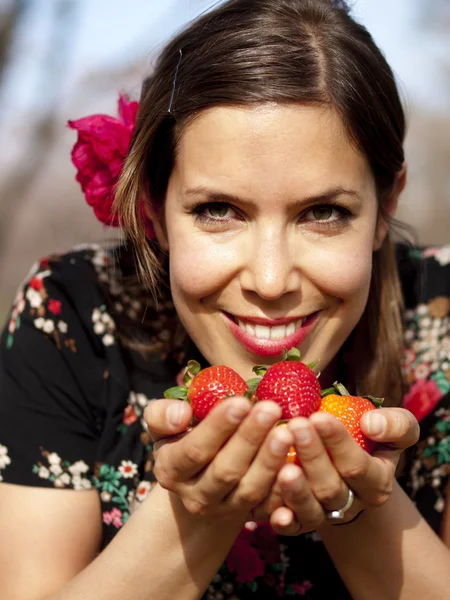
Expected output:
{"points": [[216, 196]]}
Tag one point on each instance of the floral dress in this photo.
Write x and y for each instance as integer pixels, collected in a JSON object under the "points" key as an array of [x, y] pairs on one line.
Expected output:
{"points": [[72, 395]]}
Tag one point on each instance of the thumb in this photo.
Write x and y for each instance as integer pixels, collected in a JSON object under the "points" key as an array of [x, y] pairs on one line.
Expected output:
{"points": [[395, 427], [167, 417]]}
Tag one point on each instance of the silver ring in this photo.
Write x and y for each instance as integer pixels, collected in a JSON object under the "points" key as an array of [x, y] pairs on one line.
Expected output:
{"points": [[338, 515]]}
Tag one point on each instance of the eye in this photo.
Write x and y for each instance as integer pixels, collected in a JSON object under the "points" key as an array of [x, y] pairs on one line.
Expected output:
{"points": [[214, 212], [327, 214], [218, 210]]}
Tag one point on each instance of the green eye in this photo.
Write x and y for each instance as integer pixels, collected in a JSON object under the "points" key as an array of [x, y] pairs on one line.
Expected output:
{"points": [[218, 211], [322, 213]]}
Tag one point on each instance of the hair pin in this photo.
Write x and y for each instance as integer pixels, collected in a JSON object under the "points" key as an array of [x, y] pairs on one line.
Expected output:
{"points": [[169, 110]]}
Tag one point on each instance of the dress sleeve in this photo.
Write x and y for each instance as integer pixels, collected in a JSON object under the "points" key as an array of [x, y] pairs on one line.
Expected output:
{"points": [[51, 375], [426, 365]]}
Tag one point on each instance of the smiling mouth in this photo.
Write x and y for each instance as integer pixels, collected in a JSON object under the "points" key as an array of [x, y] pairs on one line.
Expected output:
{"points": [[269, 338], [265, 332]]}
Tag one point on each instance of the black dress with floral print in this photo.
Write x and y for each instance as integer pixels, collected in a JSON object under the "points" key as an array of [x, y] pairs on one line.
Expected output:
{"points": [[72, 395]]}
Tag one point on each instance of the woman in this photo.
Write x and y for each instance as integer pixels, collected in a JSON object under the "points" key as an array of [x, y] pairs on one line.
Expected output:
{"points": [[267, 161]]}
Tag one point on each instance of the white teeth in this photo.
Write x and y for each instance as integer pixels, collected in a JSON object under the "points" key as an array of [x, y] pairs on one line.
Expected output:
{"points": [[250, 329], [262, 332], [278, 332], [290, 329]]}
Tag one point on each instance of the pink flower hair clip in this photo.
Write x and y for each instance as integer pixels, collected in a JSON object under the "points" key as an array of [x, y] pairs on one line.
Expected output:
{"points": [[99, 154]]}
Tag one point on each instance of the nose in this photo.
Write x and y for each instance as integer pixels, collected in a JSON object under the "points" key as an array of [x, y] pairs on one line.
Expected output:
{"points": [[270, 265]]}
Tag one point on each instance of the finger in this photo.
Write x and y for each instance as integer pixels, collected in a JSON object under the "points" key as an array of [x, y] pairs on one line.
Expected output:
{"points": [[284, 522], [271, 503], [192, 453], [396, 427], [257, 482], [370, 478], [167, 417], [323, 478], [298, 496]]}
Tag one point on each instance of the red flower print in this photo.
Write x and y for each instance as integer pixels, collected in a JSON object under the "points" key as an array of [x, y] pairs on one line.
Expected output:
{"points": [[129, 416], [54, 306], [301, 588], [36, 283], [44, 263], [245, 561], [422, 398], [99, 153]]}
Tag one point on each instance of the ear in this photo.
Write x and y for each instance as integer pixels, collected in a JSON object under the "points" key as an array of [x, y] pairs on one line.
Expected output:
{"points": [[156, 217], [390, 204]]}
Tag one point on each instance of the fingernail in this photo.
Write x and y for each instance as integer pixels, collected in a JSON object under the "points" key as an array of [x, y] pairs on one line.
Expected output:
{"points": [[237, 413], [279, 445], [176, 412], [267, 416], [302, 434], [375, 423]]}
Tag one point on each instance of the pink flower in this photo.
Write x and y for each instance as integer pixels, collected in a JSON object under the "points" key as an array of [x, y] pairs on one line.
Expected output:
{"points": [[114, 517], [99, 153], [302, 588], [54, 306], [422, 398]]}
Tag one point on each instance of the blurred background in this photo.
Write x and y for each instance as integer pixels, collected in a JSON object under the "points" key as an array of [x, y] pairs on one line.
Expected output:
{"points": [[64, 59]]}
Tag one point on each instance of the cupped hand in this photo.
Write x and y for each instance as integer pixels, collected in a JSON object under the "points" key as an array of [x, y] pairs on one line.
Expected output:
{"points": [[332, 462], [228, 463]]}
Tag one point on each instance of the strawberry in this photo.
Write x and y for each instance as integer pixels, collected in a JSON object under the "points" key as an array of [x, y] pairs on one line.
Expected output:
{"points": [[337, 401], [207, 387], [291, 384]]}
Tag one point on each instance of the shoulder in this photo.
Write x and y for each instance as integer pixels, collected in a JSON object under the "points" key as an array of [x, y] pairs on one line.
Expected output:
{"points": [[64, 294]]}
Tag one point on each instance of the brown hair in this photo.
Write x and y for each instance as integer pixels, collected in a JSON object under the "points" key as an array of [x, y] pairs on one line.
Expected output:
{"points": [[248, 52]]}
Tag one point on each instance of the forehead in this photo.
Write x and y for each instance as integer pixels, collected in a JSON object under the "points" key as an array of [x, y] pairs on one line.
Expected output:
{"points": [[270, 147]]}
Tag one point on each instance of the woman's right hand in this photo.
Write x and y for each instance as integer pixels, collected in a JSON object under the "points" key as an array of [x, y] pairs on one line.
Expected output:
{"points": [[228, 463]]}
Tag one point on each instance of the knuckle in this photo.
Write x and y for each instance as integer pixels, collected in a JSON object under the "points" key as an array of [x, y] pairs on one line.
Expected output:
{"points": [[249, 497], [195, 453], [162, 476], [226, 474], [354, 472], [195, 507], [328, 494]]}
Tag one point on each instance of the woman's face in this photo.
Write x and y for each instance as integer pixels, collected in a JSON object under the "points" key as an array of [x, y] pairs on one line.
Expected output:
{"points": [[271, 222]]}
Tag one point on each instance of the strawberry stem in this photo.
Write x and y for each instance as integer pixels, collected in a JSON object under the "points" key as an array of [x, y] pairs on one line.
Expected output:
{"points": [[178, 392], [377, 402], [252, 384]]}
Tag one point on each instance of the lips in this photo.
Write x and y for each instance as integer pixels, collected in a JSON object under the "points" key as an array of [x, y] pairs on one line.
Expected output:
{"points": [[266, 337]]}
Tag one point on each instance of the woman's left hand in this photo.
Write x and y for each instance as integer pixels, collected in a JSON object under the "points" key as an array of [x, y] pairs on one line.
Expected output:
{"points": [[332, 462]]}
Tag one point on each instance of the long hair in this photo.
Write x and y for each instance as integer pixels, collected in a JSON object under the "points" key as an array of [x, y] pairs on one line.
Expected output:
{"points": [[247, 52]]}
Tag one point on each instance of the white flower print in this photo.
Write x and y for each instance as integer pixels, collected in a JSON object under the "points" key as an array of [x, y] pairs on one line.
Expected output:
{"points": [[4, 459], [49, 326], [39, 323], [56, 469], [108, 339], [78, 467], [54, 459], [443, 256], [128, 469], [34, 298], [143, 490], [65, 478], [62, 326], [44, 473], [99, 328], [105, 496]]}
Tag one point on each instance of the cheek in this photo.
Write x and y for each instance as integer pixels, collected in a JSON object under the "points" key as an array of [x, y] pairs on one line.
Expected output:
{"points": [[343, 273], [199, 267]]}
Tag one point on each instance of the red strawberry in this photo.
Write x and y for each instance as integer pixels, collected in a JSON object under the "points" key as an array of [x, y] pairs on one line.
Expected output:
{"points": [[337, 401], [206, 388], [291, 384]]}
